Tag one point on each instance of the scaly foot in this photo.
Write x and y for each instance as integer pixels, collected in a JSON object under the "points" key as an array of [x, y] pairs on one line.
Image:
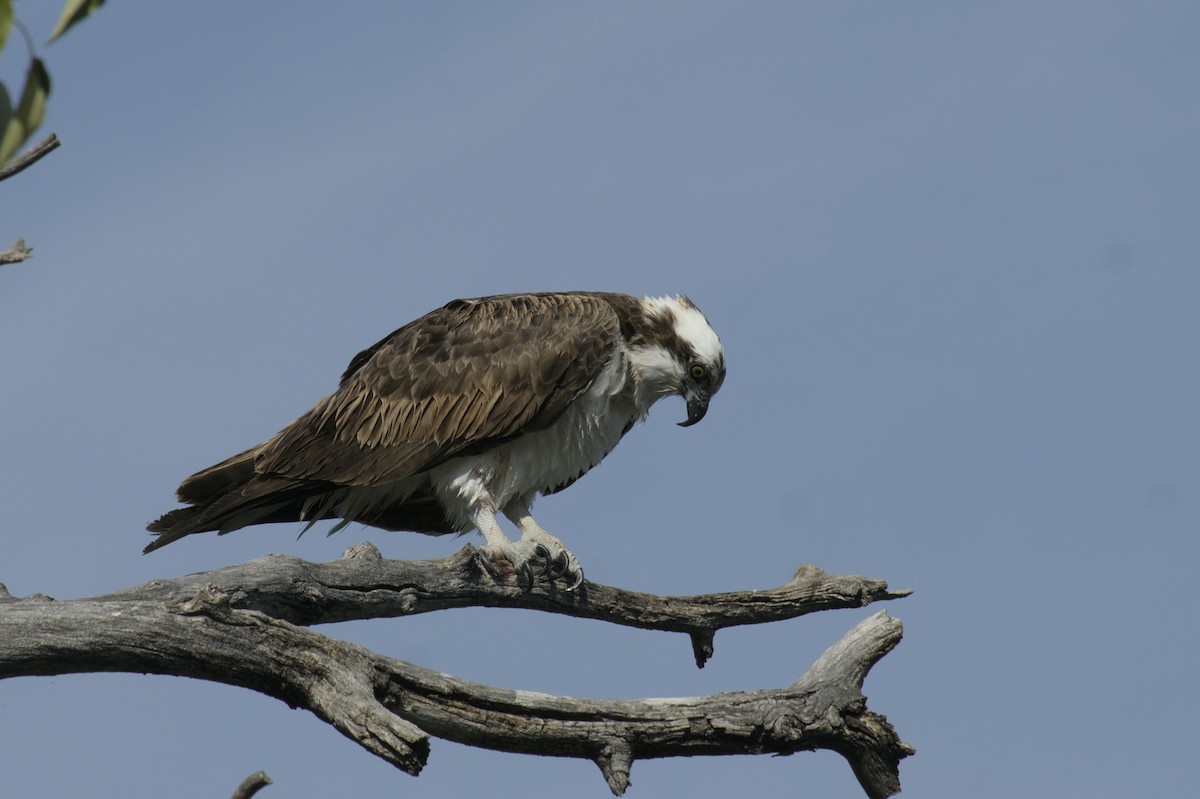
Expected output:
{"points": [[558, 560], [530, 559]]}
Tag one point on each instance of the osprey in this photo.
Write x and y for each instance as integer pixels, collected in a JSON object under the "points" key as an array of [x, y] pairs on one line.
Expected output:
{"points": [[470, 411]]}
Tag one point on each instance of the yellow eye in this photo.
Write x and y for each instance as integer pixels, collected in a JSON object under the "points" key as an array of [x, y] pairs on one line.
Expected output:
{"points": [[698, 371]]}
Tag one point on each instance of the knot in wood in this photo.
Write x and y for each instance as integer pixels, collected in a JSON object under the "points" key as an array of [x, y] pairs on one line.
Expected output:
{"points": [[408, 601], [789, 721], [211, 600]]}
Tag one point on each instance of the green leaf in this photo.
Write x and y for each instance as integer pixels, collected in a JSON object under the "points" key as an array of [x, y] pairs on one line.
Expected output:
{"points": [[6, 20], [73, 12], [6, 112], [30, 111]]}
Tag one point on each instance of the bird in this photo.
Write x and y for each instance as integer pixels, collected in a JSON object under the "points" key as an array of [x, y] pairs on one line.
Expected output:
{"points": [[467, 413]]}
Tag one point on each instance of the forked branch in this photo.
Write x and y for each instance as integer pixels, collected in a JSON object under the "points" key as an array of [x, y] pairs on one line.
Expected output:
{"points": [[390, 707]]}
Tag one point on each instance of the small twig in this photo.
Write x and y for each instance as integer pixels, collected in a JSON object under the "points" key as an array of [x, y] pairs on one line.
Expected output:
{"points": [[252, 785], [19, 252], [29, 157]]}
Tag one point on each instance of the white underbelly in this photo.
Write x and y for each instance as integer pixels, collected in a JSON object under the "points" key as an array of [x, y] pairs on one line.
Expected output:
{"points": [[541, 461], [535, 463]]}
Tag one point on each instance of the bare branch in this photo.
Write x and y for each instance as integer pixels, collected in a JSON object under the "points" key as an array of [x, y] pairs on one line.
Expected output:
{"points": [[30, 157], [19, 251], [252, 785], [15, 254], [389, 706], [205, 638], [363, 585]]}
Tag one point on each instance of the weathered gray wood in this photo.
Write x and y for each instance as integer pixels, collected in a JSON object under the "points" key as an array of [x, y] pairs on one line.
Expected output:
{"points": [[251, 785], [30, 157], [390, 707], [16, 253], [207, 639], [363, 585]]}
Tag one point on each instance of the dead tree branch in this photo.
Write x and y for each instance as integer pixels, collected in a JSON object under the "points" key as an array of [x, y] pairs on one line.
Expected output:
{"points": [[30, 157], [391, 707], [363, 585], [252, 785], [19, 251], [16, 253]]}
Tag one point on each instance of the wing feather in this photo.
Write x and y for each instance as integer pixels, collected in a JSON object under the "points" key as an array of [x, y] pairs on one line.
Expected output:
{"points": [[461, 379]]}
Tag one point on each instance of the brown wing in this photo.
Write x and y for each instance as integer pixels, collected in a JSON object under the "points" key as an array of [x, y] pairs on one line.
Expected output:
{"points": [[459, 380]]}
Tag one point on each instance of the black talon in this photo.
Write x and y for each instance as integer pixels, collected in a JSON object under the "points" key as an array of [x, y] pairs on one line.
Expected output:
{"points": [[527, 573], [558, 567], [486, 564]]}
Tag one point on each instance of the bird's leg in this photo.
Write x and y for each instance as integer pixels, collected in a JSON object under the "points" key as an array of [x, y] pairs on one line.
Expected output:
{"points": [[559, 560], [497, 547]]}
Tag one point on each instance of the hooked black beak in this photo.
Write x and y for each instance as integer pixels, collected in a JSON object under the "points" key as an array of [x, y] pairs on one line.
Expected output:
{"points": [[697, 406]]}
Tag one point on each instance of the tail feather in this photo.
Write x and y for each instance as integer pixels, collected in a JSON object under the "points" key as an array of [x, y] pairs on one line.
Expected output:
{"points": [[172, 526], [231, 495], [257, 501], [225, 497], [215, 481]]}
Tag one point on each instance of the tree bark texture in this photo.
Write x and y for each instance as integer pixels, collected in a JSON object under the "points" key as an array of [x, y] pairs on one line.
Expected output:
{"points": [[363, 585], [243, 626]]}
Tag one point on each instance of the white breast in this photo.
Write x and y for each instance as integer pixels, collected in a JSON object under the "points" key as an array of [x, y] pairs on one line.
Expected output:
{"points": [[541, 461]]}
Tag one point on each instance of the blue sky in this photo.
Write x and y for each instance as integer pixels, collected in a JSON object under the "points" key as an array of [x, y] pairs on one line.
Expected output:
{"points": [[953, 255]]}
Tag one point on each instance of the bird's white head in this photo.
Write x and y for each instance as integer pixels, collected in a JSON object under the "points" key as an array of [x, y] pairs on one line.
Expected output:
{"points": [[676, 351]]}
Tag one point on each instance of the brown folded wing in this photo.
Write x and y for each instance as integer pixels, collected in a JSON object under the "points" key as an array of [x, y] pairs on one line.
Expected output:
{"points": [[459, 380]]}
